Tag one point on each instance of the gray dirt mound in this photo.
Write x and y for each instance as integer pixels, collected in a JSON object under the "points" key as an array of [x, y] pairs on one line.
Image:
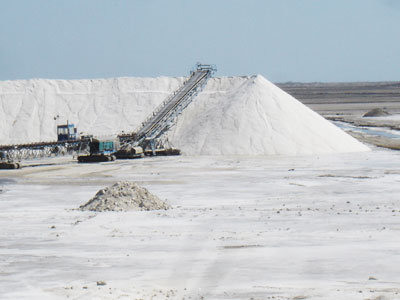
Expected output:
{"points": [[124, 196], [376, 112]]}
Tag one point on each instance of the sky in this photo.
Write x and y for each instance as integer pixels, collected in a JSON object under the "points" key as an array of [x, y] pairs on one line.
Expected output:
{"points": [[283, 40]]}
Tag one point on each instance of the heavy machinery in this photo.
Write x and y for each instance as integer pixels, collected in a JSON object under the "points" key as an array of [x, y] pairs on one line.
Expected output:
{"points": [[9, 165], [147, 140], [100, 150], [66, 132], [67, 142], [5, 163], [129, 152], [149, 134]]}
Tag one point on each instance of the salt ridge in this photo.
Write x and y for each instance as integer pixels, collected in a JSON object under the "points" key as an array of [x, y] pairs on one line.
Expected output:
{"points": [[231, 116]]}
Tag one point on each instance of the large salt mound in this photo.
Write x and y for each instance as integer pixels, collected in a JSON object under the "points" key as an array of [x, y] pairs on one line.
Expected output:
{"points": [[98, 106], [124, 196], [233, 115], [254, 116]]}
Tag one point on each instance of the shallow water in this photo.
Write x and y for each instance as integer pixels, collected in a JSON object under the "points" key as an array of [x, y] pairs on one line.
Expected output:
{"points": [[375, 131]]}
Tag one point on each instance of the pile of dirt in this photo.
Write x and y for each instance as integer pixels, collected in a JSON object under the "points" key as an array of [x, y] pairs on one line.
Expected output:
{"points": [[124, 196], [376, 112]]}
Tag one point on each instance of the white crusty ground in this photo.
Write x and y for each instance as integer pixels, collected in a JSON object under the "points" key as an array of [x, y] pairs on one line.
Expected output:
{"points": [[309, 227]]}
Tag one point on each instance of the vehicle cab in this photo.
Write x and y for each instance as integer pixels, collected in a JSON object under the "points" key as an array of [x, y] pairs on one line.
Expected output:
{"points": [[66, 133]]}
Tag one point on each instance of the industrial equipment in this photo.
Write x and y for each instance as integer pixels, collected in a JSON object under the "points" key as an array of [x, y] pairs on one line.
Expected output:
{"points": [[101, 150], [66, 132], [129, 152], [147, 140], [166, 114]]}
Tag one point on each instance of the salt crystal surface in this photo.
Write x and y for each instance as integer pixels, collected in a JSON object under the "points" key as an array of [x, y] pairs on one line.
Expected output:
{"points": [[232, 115]]}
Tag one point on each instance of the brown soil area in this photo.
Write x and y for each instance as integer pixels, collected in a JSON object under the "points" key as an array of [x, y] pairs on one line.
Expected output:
{"points": [[346, 98]]}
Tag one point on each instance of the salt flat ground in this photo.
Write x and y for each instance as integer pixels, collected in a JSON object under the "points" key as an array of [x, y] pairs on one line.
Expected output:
{"points": [[311, 227], [350, 99]]}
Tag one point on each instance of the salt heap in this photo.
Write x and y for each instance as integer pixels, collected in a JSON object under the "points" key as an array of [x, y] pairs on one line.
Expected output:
{"points": [[124, 196], [252, 116], [231, 116]]}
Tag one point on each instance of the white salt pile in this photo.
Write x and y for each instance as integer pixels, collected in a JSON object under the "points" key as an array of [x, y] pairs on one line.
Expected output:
{"points": [[252, 116], [33, 108], [124, 196], [232, 115]]}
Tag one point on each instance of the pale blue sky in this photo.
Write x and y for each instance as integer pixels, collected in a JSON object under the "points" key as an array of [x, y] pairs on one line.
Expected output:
{"points": [[284, 40]]}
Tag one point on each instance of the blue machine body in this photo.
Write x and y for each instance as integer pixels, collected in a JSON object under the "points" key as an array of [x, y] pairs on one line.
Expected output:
{"points": [[66, 133]]}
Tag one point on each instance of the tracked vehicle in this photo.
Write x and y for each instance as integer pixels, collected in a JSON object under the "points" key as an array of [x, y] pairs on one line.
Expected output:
{"points": [[10, 165], [66, 132], [100, 151], [129, 152]]}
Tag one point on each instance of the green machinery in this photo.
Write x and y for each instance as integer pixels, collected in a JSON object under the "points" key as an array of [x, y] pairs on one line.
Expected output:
{"points": [[101, 150]]}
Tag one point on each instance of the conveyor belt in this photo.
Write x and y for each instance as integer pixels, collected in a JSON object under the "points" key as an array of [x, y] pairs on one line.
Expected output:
{"points": [[163, 117], [166, 114], [38, 150]]}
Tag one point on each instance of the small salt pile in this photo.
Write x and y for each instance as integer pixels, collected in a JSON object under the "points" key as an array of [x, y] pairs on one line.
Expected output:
{"points": [[124, 196]]}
